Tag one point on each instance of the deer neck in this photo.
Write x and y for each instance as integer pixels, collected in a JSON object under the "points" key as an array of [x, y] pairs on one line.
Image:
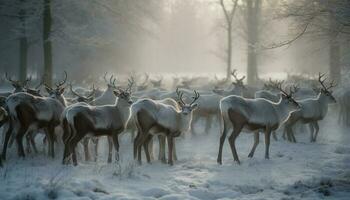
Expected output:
{"points": [[183, 121], [323, 103], [123, 108], [281, 109]]}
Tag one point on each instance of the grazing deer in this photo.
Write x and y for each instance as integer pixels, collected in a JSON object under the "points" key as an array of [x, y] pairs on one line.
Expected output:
{"points": [[311, 111], [82, 119], [154, 118], [28, 112], [255, 115]]}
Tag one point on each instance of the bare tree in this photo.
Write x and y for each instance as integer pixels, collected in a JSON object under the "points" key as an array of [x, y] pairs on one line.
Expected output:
{"points": [[322, 20], [47, 45], [253, 16], [229, 16]]}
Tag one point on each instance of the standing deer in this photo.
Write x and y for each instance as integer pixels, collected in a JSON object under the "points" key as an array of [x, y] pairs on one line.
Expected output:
{"points": [[256, 115], [82, 119], [155, 118], [311, 111], [28, 113]]}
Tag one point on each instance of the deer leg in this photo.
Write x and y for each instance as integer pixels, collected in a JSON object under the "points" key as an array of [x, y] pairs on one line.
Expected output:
{"points": [[222, 140], [140, 143], [28, 148], [72, 147], [174, 150], [311, 126], [86, 148], [232, 139], [170, 149], [150, 148], [19, 140], [136, 141], [317, 130], [256, 142], [6, 141], [51, 137], [267, 142], [161, 155], [116, 146], [110, 149], [32, 141], [95, 141], [274, 135], [66, 154], [146, 149]]}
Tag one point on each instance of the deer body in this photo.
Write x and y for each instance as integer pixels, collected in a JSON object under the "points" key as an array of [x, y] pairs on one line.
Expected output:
{"points": [[256, 115], [310, 112], [157, 118], [81, 120]]}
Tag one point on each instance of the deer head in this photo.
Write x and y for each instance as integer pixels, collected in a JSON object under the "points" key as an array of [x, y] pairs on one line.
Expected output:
{"points": [[238, 81], [187, 108], [125, 94], [326, 90]]}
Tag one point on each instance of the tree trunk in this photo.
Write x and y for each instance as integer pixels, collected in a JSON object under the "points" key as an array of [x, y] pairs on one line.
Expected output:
{"points": [[23, 45], [253, 15], [334, 50], [47, 23], [229, 51]]}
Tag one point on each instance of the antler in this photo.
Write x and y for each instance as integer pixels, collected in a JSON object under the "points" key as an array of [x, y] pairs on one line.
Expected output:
{"points": [[195, 98], [320, 76], [234, 74], [179, 96], [92, 92], [58, 85], [332, 84], [104, 77], [73, 92], [280, 88], [131, 81], [9, 79]]}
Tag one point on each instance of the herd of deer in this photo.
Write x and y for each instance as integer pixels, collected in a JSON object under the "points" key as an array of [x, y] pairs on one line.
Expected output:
{"points": [[157, 111]]}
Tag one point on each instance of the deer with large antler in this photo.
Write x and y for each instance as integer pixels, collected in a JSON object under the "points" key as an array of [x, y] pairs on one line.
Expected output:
{"points": [[110, 120], [19, 86], [255, 115], [311, 111], [28, 112], [156, 118]]}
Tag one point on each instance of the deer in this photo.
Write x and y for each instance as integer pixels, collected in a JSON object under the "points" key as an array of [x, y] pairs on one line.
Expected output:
{"points": [[239, 113], [17, 85], [80, 99], [156, 118], [311, 111], [157, 83], [238, 88], [28, 112], [144, 84], [82, 119]]}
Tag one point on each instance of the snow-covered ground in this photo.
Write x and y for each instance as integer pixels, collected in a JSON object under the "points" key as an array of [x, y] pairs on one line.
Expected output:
{"points": [[295, 171]]}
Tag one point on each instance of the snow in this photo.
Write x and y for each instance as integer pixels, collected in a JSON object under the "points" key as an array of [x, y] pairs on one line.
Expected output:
{"points": [[295, 171]]}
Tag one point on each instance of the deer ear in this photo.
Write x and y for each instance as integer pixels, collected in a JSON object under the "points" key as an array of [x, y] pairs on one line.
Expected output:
{"points": [[116, 93], [48, 90], [194, 106], [62, 90]]}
